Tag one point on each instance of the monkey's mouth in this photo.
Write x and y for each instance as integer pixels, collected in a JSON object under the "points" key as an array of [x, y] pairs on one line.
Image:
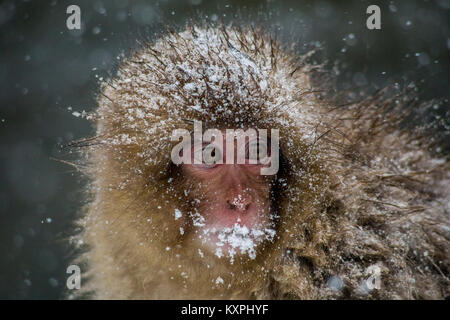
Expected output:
{"points": [[238, 239]]}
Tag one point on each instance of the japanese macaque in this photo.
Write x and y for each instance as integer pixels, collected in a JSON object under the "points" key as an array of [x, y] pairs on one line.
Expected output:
{"points": [[357, 208]]}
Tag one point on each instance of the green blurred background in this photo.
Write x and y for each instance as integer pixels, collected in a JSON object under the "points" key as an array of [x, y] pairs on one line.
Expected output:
{"points": [[47, 72]]}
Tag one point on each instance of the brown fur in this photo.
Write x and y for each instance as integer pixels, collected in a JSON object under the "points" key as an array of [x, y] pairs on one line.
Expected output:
{"points": [[354, 191]]}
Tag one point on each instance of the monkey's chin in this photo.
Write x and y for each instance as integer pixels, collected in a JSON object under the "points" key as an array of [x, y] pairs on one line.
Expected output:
{"points": [[237, 240]]}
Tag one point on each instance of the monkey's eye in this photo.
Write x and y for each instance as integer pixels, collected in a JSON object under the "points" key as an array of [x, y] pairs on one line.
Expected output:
{"points": [[257, 152], [209, 157], [212, 155]]}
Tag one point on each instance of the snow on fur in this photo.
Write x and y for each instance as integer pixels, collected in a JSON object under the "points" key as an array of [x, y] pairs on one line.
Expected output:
{"points": [[356, 191]]}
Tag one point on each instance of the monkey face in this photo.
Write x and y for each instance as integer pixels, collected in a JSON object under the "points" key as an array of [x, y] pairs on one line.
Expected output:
{"points": [[232, 204]]}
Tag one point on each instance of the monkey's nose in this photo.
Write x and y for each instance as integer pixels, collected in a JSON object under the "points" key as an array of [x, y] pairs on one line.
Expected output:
{"points": [[239, 204]]}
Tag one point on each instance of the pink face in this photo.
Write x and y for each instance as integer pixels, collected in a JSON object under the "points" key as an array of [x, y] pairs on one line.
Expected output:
{"points": [[233, 195]]}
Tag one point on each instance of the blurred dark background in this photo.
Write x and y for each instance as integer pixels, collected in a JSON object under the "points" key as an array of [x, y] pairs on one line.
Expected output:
{"points": [[48, 72]]}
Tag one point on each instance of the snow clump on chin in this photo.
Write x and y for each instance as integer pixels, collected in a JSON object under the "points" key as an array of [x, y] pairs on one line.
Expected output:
{"points": [[237, 239]]}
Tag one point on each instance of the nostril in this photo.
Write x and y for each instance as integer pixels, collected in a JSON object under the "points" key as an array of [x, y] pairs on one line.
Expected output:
{"points": [[231, 206], [238, 206]]}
